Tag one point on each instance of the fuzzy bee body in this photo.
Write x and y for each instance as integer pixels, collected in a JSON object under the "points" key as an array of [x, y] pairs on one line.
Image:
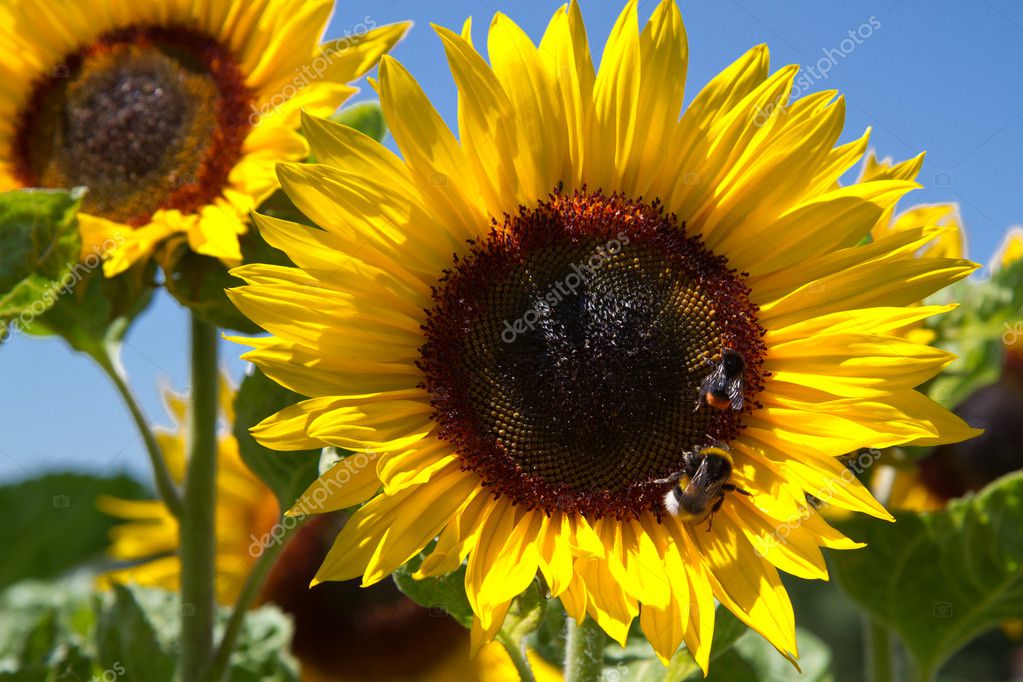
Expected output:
{"points": [[723, 387], [701, 485]]}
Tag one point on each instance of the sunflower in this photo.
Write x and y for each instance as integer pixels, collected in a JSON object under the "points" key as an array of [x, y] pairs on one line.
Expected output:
{"points": [[953, 470], [537, 333], [172, 113], [148, 542], [940, 222], [341, 633]]}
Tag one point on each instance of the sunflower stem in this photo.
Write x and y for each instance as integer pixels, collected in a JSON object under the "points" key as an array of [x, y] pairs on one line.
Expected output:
{"points": [[165, 486], [518, 658], [253, 584], [197, 539], [584, 651], [879, 644]]}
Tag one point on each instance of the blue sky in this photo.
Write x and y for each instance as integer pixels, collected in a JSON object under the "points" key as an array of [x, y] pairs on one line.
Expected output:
{"points": [[935, 76]]}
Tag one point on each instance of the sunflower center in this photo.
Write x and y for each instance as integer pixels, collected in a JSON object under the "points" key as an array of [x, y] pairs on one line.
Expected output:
{"points": [[147, 118], [566, 352]]}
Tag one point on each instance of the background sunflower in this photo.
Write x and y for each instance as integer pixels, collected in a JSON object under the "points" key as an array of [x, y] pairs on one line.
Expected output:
{"points": [[172, 114]]}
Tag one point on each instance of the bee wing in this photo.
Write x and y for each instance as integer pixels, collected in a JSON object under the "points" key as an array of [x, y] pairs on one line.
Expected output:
{"points": [[700, 489], [735, 394], [715, 378]]}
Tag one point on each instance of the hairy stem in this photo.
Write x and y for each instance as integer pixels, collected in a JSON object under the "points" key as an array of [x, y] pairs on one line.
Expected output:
{"points": [[253, 584], [584, 651]]}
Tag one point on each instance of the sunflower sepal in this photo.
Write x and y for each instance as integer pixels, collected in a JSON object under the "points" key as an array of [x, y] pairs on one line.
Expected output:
{"points": [[198, 282], [933, 615], [526, 613]]}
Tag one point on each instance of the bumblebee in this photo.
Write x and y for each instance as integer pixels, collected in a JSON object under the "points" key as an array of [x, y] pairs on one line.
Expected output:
{"points": [[701, 485], [723, 387]]}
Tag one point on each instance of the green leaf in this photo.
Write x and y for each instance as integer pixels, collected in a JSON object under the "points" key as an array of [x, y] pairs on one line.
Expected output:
{"points": [[445, 593], [261, 653], [96, 313], [638, 662], [139, 637], [366, 117], [987, 318], [727, 631], [287, 474], [39, 246], [549, 639], [752, 658], [51, 523], [940, 579], [67, 631]]}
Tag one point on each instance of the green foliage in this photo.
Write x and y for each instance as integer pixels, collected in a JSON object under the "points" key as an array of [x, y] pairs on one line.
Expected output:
{"points": [[51, 523], [287, 474], [39, 245], [366, 117], [637, 661], [45, 632], [137, 632], [446, 592], [60, 632], [95, 316], [198, 282], [940, 579], [752, 658], [525, 614], [260, 654], [989, 312]]}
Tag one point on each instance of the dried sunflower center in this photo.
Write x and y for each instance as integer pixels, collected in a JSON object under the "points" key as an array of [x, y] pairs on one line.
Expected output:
{"points": [[146, 118], [566, 352]]}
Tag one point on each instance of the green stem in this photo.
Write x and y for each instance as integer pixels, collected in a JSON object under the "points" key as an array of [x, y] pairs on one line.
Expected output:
{"points": [[165, 486], [253, 584], [879, 643], [584, 651], [197, 530], [518, 658]]}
